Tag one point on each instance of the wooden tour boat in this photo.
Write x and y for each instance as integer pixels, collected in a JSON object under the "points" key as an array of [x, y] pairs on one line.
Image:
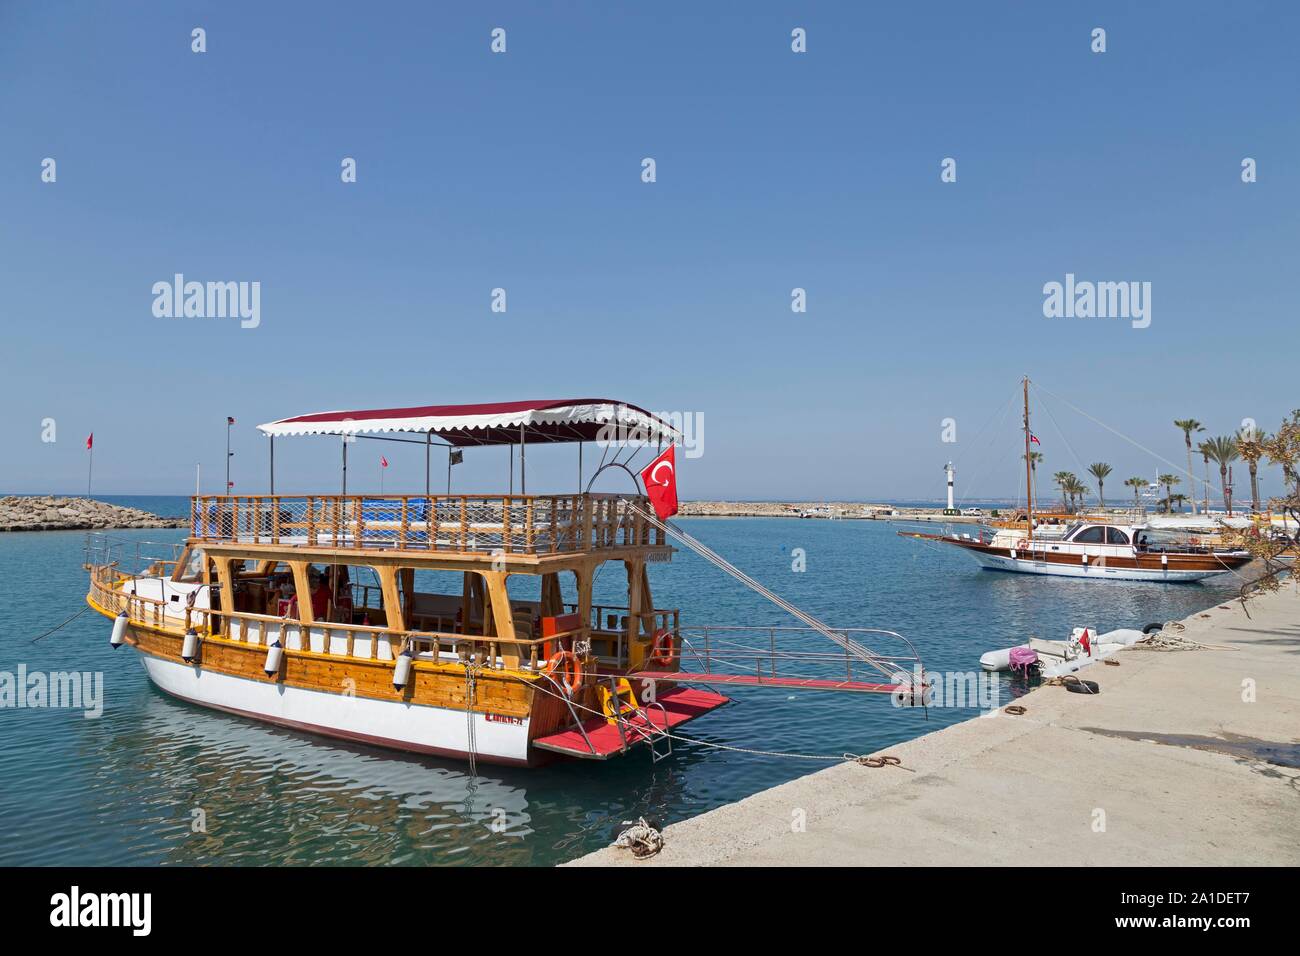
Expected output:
{"points": [[451, 624]]}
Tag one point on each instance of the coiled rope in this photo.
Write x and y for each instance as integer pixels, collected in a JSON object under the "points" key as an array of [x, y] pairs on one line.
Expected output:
{"points": [[643, 839], [1169, 638]]}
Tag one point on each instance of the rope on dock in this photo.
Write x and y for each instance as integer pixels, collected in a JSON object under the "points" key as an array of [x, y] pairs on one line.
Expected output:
{"points": [[1169, 638], [643, 839], [885, 760]]}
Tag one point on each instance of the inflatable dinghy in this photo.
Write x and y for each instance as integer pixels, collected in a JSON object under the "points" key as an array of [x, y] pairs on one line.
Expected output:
{"points": [[1058, 658]]}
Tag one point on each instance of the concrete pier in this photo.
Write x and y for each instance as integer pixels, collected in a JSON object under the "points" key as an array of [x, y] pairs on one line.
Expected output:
{"points": [[1184, 758]]}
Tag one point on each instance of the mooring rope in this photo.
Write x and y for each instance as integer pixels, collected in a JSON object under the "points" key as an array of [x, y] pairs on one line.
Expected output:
{"points": [[471, 681], [60, 627]]}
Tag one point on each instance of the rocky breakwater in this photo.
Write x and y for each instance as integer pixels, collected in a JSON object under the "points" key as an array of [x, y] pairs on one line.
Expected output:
{"points": [[47, 513]]}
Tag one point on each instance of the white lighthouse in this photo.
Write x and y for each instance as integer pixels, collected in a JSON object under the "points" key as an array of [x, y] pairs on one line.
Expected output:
{"points": [[948, 469]]}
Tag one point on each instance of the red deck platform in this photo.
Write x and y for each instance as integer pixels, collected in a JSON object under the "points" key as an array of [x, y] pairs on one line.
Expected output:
{"points": [[756, 680], [603, 740]]}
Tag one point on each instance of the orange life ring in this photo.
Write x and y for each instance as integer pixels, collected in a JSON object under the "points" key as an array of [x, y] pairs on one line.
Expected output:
{"points": [[565, 665], [663, 649]]}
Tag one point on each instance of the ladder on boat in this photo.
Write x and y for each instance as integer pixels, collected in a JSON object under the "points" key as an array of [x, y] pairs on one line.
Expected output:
{"points": [[602, 736]]}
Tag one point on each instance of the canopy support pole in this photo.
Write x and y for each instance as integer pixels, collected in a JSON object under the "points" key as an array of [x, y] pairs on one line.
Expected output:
{"points": [[579, 467], [512, 469], [345, 465], [272, 464], [428, 446], [523, 475], [449, 454]]}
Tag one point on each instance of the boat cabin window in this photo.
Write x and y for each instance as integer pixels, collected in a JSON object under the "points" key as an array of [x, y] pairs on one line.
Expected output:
{"points": [[1115, 536], [1094, 535], [191, 567]]}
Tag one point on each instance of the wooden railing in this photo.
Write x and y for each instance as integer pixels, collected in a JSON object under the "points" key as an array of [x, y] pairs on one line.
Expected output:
{"points": [[610, 617], [321, 637], [511, 524]]}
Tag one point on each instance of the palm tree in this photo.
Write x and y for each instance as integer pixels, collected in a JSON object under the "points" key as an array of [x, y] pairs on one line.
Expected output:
{"points": [[1250, 445], [1076, 489], [1062, 478], [1099, 470], [1137, 484], [1189, 425], [1204, 449], [1178, 500], [1168, 481], [1224, 451], [1034, 457]]}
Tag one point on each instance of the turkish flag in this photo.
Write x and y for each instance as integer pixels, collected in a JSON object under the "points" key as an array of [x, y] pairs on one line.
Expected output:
{"points": [[1087, 644], [383, 462], [660, 479], [90, 441]]}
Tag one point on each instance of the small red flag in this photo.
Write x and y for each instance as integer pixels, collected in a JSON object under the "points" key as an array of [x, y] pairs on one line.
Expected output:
{"points": [[383, 462], [229, 420], [1087, 644], [90, 441], [1034, 438], [660, 478]]}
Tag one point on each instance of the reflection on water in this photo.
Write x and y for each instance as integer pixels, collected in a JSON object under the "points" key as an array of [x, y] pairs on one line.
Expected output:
{"points": [[270, 793], [125, 789]]}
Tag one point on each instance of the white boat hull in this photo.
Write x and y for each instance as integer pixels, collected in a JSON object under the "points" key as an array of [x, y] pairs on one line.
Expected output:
{"points": [[1094, 570], [412, 727]]}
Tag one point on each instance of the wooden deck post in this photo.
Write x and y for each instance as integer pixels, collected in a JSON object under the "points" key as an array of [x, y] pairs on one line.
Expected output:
{"points": [[636, 650], [302, 589], [392, 598], [227, 581], [503, 617]]}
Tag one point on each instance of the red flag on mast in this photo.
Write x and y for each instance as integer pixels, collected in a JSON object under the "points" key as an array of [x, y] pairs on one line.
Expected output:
{"points": [[90, 441], [660, 479], [383, 462]]}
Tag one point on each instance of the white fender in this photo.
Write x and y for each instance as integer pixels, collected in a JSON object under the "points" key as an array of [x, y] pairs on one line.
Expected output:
{"points": [[190, 646], [118, 637], [274, 655], [402, 669]]}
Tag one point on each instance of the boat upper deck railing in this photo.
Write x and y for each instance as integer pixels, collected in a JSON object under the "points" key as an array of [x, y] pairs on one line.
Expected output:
{"points": [[473, 524]]}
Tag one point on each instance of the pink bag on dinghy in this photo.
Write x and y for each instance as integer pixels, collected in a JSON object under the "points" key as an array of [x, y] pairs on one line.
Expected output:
{"points": [[1023, 658]]}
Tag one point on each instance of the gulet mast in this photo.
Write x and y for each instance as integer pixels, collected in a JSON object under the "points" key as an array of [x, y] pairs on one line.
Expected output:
{"points": [[1029, 466]]}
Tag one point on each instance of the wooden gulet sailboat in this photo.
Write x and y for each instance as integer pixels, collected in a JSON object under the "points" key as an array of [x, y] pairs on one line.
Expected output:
{"points": [[459, 625], [1096, 549]]}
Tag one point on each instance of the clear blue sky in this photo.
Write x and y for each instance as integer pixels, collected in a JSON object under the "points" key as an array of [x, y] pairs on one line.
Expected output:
{"points": [[522, 171]]}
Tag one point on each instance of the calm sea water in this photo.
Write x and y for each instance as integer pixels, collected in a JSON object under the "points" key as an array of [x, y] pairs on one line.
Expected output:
{"points": [[126, 788]]}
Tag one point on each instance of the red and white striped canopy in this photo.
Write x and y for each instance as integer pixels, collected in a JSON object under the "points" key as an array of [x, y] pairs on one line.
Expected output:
{"points": [[495, 423]]}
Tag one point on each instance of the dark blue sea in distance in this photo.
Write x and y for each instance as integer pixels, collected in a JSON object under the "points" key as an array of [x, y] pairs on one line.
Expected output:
{"points": [[133, 786]]}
